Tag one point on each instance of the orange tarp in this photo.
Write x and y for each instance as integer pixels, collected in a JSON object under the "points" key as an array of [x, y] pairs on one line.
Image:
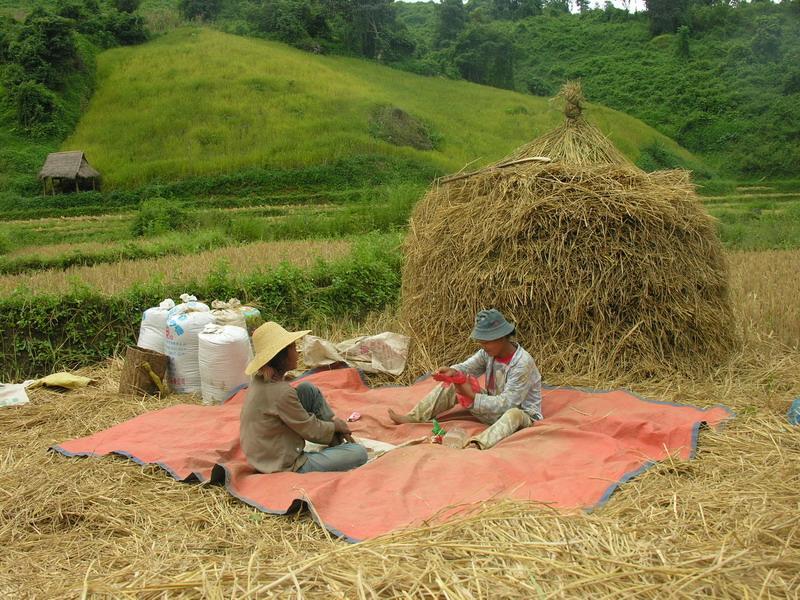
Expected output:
{"points": [[588, 443]]}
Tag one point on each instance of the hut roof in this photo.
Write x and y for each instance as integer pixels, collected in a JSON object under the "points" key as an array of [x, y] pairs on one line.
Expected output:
{"points": [[67, 165]]}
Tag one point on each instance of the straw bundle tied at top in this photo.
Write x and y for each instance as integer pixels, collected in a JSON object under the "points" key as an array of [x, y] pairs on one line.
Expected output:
{"points": [[604, 268]]}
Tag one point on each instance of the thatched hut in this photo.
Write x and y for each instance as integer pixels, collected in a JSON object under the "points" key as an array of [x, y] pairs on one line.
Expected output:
{"points": [[604, 268], [68, 171]]}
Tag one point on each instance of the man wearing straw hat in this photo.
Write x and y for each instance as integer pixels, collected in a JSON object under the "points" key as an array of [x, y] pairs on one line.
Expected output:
{"points": [[512, 399], [277, 419]]}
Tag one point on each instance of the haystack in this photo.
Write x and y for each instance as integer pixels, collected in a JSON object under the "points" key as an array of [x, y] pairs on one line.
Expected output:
{"points": [[604, 268]]}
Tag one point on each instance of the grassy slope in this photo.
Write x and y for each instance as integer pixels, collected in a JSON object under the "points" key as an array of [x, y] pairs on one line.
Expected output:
{"points": [[197, 101], [724, 101]]}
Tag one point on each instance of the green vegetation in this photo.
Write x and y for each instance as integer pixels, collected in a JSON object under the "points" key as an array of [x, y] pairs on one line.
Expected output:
{"points": [[47, 69], [48, 333], [759, 223], [720, 78], [157, 117], [173, 228], [341, 181], [158, 216], [174, 244]]}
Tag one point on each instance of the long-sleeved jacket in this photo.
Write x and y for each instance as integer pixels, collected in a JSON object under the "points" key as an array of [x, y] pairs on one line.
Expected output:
{"points": [[515, 385], [274, 427]]}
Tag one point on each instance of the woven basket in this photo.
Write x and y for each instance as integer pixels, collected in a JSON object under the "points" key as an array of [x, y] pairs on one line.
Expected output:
{"points": [[136, 378]]}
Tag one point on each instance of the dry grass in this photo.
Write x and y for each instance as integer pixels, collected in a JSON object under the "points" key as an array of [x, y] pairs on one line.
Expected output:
{"points": [[603, 268], [117, 277], [726, 525], [764, 290]]}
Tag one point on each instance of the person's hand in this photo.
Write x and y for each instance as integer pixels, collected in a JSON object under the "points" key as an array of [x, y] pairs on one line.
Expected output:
{"points": [[341, 438], [465, 389], [341, 426], [447, 371]]}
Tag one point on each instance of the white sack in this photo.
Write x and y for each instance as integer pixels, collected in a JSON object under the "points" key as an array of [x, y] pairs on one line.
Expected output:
{"points": [[386, 352], [14, 394], [228, 313], [184, 324], [224, 352], [154, 322]]}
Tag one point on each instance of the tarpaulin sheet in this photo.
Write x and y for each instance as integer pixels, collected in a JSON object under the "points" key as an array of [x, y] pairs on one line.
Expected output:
{"points": [[588, 443]]}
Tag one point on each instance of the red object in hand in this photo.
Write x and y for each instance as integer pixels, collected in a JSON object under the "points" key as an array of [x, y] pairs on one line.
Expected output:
{"points": [[460, 378], [465, 401]]}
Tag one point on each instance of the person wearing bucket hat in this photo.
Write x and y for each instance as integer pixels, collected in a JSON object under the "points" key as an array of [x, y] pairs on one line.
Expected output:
{"points": [[512, 398], [277, 419]]}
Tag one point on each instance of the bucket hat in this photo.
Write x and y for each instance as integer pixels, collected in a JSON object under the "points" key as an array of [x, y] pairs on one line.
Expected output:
{"points": [[490, 324], [268, 340]]}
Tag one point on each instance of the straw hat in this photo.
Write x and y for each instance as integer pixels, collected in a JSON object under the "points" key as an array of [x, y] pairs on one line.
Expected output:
{"points": [[268, 340]]}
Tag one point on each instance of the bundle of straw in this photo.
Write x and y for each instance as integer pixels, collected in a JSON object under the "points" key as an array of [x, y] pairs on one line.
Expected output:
{"points": [[604, 268]]}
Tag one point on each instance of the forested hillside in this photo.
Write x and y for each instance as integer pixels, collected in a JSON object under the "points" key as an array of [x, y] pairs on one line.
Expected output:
{"points": [[200, 102], [47, 71], [722, 80], [722, 77]]}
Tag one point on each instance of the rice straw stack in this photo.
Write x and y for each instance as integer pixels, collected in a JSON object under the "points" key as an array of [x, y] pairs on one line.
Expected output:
{"points": [[605, 269]]}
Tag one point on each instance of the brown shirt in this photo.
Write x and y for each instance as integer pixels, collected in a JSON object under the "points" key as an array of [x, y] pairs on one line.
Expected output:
{"points": [[274, 427]]}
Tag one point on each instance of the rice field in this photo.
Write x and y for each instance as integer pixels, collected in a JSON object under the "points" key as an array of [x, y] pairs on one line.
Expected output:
{"points": [[764, 291], [116, 277], [725, 525]]}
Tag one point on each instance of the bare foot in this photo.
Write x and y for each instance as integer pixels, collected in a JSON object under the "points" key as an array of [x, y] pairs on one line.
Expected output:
{"points": [[399, 419]]}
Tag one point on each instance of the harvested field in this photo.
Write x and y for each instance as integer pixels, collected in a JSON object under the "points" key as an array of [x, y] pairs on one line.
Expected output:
{"points": [[115, 277], [724, 525], [53, 250], [764, 289]]}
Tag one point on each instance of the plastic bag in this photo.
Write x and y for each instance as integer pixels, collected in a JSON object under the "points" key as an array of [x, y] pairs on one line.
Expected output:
{"points": [[228, 313], [154, 322], [224, 351], [385, 352], [455, 438], [13, 394], [181, 344], [62, 379], [252, 317]]}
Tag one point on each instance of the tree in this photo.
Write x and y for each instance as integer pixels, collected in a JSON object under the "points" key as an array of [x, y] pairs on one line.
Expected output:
{"points": [[45, 48], [36, 106], [485, 55], [295, 22], [205, 10], [451, 17], [7, 34], [127, 28], [583, 6], [766, 41], [682, 46], [556, 7], [515, 9], [666, 15], [127, 6], [372, 30]]}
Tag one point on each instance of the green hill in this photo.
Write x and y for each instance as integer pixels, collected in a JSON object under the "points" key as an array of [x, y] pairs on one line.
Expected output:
{"points": [[729, 94], [200, 102]]}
